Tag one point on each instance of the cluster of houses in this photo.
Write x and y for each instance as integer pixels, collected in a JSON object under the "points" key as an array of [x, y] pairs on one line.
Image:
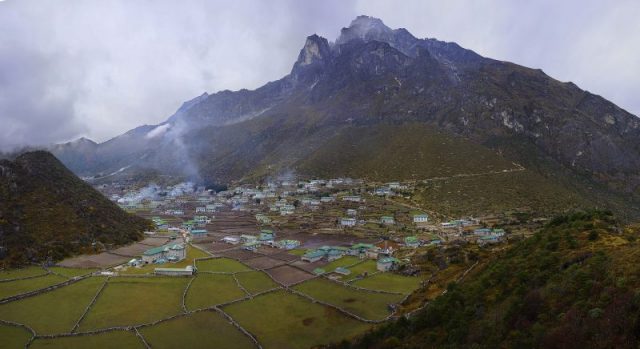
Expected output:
{"points": [[384, 260], [488, 235], [264, 238], [159, 255]]}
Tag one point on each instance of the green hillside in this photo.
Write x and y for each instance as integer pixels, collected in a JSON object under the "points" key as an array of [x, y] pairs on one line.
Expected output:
{"points": [[573, 285], [400, 152], [46, 212]]}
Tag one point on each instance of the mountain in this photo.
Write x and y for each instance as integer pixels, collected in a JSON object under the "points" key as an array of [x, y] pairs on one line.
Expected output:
{"points": [[47, 213], [572, 285], [375, 78]]}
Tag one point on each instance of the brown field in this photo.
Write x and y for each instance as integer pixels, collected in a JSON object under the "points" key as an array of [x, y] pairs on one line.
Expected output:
{"points": [[288, 275], [154, 241], [101, 260], [239, 254], [263, 262], [309, 266], [284, 256]]}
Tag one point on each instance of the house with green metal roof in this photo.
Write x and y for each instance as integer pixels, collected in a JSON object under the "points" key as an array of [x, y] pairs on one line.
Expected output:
{"points": [[171, 252], [387, 220], [387, 263], [288, 244], [313, 256], [342, 271], [411, 241], [198, 232]]}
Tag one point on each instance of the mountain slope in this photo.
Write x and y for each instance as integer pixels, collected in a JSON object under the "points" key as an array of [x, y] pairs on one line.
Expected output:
{"points": [[373, 76], [573, 285], [46, 212]]}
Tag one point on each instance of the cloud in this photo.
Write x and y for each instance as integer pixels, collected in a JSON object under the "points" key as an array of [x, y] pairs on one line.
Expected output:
{"points": [[99, 68]]}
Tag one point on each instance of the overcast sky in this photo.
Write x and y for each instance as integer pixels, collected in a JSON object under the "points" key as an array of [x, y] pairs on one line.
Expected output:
{"points": [[71, 68]]}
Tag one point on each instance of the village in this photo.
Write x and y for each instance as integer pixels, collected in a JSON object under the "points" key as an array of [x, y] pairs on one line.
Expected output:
{"points": [[317, 221], [329, 259]]}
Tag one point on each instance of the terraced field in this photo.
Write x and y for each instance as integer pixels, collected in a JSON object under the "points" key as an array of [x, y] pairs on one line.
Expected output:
{"points": [[227, 304]]}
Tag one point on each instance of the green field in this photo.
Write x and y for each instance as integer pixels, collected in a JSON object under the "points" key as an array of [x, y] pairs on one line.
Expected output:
{"points": [[208, 290], [53, 312], [13, 337], [131, 301], [12, 288], [371, 306], [281, 320], [221, 265], [21, 273], [71, 272], [390, 282], [256, 281], [108, 340], [341, 262], [205, 329], [367, 266]]}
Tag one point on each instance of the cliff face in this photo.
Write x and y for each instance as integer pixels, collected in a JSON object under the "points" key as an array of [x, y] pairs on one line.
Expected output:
{"points": [[47, 213]]}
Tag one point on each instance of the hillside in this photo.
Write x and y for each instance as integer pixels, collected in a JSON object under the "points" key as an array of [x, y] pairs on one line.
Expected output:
{"points": [[572, 285], [339, 109], [46, 212]]}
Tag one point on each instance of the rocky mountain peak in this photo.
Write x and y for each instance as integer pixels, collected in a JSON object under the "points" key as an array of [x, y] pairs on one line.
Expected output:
{"points": [[365, 28], [315, 49]]}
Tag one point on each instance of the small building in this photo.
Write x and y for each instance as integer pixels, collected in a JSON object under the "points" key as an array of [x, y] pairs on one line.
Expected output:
{"points": [[420, 218], [288, 244], [360, 249], [319, 271], [351, 212], [327, 199], [411, 241], [233, 240], [342, 271], [348, 222], [186, 271], [387, 263], [177, 252], [351, 198], [251, 246], [248, 238], [313, 256], [266, 237], [482, 232], [198, 232], [262, 219], [387, 220], [287, 210]]}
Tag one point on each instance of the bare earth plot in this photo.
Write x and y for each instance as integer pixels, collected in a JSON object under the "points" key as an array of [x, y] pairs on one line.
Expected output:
{"points": [[239, 254], [263, 262], [288, 275], [101, 260]]}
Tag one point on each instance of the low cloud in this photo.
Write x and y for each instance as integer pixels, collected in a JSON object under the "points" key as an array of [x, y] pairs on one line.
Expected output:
{"points": [[99, 68]]}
